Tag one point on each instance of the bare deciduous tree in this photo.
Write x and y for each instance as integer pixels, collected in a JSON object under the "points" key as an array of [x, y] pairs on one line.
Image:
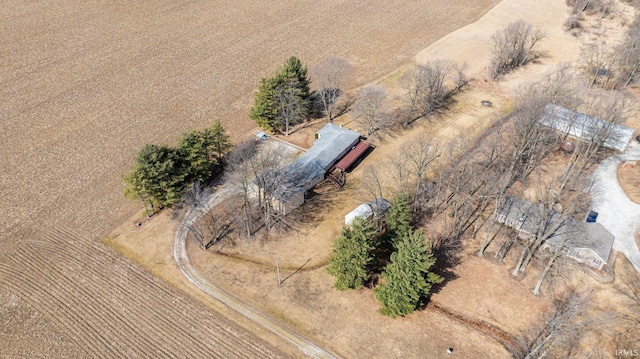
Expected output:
{"points": [[599, 64], [557, 208], [420, 153], [211, 224], [240, 176], [514, 46], [330, 76], [561, 328], [371, 182], [532, 141], [267, 166], [430, 87], [371, 109], [628, 56], [628, 284], [291, 107]]}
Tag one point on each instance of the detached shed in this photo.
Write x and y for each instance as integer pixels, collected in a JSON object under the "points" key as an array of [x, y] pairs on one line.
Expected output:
{"points": [[363, 211], [376, 208]]}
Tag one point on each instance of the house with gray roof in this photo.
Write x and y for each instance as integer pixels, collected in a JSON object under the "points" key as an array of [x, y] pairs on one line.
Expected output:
{"points": [[585, 127], [586, 242], [332, 144], [526, 217]]}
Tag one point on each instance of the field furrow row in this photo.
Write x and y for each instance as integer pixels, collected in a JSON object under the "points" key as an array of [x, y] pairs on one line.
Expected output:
{"points": [[50, 305], [121, 292], [126, 323], [187, 341], [92, 291], [139, 275]]}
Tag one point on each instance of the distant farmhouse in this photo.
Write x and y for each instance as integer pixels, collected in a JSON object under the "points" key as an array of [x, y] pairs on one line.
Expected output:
{"points": [[586, 127], [586, 242], [336, 150]]}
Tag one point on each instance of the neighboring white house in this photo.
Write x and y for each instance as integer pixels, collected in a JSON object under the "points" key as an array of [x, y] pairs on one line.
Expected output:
{"points": [[586, 127]]}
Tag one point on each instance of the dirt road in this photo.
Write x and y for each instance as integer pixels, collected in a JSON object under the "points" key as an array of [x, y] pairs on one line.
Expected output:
{"points": [[191, 273]]}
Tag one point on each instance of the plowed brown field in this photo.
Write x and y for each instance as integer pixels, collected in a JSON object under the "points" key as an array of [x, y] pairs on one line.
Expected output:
{"points": [[83, 84]]}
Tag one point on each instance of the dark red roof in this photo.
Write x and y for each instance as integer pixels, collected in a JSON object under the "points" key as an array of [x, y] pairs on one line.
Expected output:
{"points": [[353, 155]]}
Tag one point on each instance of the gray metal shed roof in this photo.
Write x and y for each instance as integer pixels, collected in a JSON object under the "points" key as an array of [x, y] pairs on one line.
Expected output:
{"points": [[333, 141], [586, 127]]}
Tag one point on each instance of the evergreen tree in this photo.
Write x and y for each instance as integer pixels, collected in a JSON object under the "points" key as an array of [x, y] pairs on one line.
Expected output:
{"points": [[220, 142], [158, 177], [295, 73], [398, 218], [291, 79], [264, 110], [203, 149], [407, 279], [352, 255]]}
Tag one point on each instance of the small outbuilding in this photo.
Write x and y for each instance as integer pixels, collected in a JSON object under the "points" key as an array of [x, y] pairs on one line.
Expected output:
{"points": [[376, 208]]}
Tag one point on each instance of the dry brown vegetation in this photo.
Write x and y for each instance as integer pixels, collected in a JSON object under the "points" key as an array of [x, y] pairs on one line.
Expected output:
{"points": [[85, 84], [492, 325], [629, 178]]}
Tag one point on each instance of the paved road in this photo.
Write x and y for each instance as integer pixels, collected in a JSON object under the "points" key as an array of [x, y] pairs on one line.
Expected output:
{"points": [[616, 211], [191, 273]]}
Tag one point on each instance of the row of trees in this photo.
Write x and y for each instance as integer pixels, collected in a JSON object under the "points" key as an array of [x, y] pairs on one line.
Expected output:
{"points": [[614, 66], [480, 173], [162, 173], [427, 89], [285, 99], [362, 249]]}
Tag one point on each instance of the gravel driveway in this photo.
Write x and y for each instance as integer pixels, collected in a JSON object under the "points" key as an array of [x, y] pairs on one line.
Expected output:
{"points": [[616, 211]]}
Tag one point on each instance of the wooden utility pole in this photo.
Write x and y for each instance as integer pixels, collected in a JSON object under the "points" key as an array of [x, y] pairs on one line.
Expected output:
{"points": [[278, 269]]}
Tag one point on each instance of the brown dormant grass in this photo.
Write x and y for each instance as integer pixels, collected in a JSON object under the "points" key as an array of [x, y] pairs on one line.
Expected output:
{"points": [[629, 178], [84, 84]]}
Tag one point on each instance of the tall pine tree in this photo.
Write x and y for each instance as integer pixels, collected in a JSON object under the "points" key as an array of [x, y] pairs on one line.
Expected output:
{"points": [[398, 218], [352, 255], [158, 176], [292, 79], [407, 279], [201, 150]]}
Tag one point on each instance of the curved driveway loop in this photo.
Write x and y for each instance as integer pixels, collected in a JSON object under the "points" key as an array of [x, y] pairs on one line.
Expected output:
{"points": [[616, 211], [191, 273]]}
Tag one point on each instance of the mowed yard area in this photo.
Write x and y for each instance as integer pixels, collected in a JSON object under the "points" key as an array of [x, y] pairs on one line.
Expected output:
{"points": [[84, 84]]}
